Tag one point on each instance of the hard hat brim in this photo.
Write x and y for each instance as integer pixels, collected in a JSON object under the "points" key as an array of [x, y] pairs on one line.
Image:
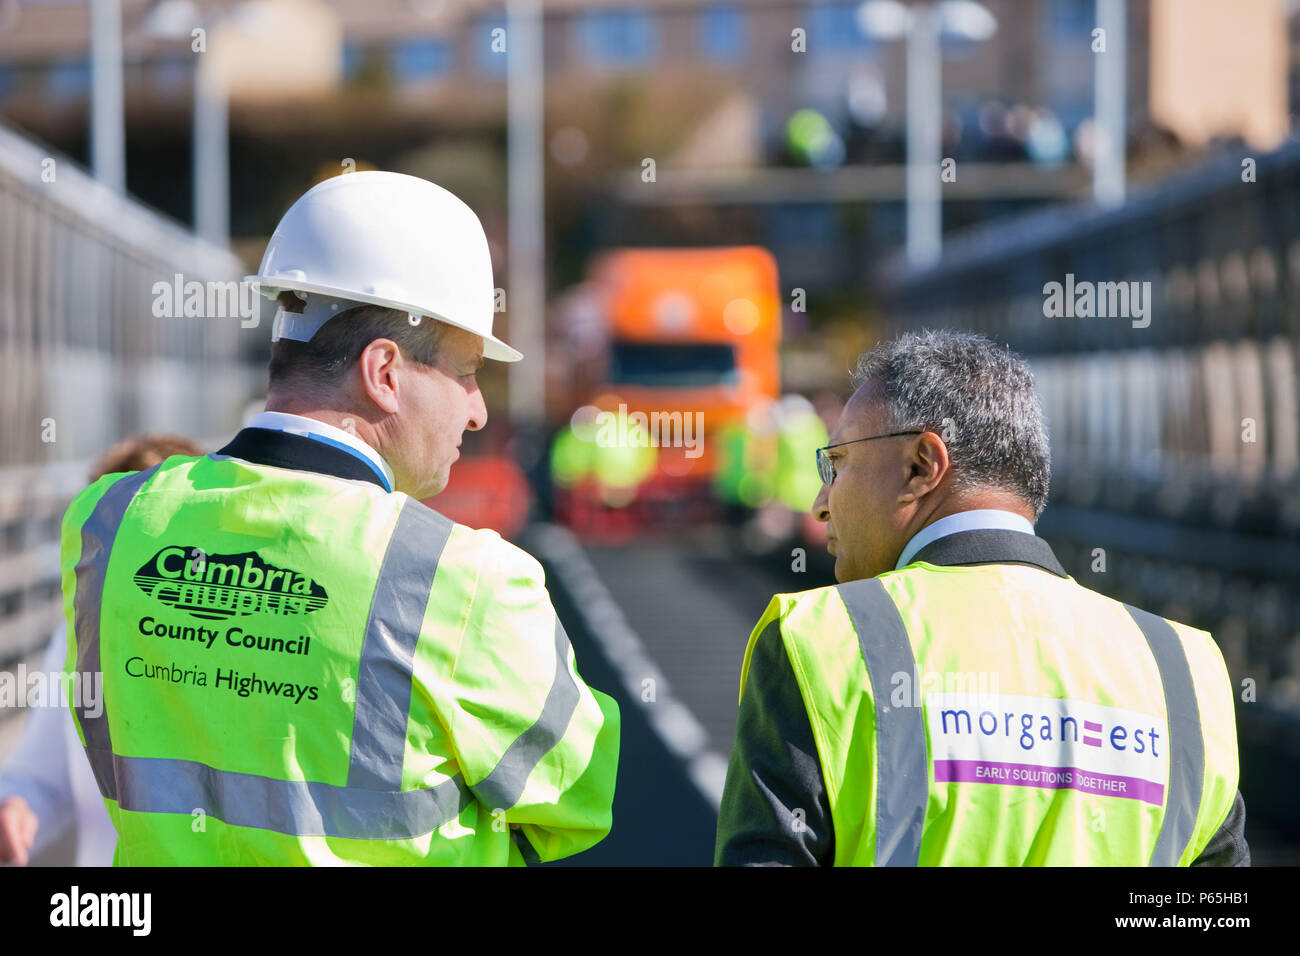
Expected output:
{"points": [[493, 347]]}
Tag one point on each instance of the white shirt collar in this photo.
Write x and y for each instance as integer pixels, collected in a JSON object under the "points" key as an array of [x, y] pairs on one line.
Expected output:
{"points": [[311, 428], [980, 519]]}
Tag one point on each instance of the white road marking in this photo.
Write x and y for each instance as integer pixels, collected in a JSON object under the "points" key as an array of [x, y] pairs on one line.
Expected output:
{"points": [[672, 720]]}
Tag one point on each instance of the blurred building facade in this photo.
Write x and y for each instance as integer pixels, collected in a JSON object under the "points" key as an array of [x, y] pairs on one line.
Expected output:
{"points": [[695, 85]]}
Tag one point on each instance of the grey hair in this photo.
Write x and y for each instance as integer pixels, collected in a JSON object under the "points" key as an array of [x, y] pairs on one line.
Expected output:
{"points": [[978, 397], [321, 363]]}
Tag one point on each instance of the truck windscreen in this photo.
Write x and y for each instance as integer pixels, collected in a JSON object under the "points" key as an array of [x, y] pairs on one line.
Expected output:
{"points": [[686, 365]]}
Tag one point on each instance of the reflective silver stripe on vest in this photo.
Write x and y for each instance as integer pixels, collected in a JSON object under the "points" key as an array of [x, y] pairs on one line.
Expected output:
{"points": [[902, 780], [1186, 748], [525, 848], [97, 536], [388, 649], [502, 787], [297, 808], [294, 807]]}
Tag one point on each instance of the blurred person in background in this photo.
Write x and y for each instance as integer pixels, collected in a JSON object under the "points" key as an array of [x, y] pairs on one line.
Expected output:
{"points": [[801, 432], [46, 785], [304, 664], [958, 699]]}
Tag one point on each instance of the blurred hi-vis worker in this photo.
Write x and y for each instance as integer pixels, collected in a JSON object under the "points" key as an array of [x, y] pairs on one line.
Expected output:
{"points": [[957, 699], [302, 663]]}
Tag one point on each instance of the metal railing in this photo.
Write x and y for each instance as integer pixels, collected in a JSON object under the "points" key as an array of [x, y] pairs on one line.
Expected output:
{"points": [[1175, 434], [87, 358]]}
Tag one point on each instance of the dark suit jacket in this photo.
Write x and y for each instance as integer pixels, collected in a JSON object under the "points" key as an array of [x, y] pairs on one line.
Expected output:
{"points": [[775, 769], [268, 446]]}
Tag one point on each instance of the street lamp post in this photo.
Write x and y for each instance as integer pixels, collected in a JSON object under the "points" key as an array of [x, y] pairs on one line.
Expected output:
{"points": [[1109, 129], [107, 132], [526, 296], [211, 152], [924, 137], [924, 25], [174, 20]]}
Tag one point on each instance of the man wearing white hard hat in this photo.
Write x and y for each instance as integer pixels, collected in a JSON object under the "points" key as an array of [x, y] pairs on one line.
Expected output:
{"points": [[296, 651]]}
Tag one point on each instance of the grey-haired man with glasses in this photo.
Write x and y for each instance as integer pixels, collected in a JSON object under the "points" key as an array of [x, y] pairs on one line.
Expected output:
{"points": [[932, 481]]}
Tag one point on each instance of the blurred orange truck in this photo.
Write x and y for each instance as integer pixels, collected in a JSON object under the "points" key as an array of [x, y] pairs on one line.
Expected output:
{"points": [[690, 334]]}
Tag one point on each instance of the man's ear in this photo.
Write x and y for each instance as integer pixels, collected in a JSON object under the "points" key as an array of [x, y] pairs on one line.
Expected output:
{"points": [[926, 465], [376, 373]]}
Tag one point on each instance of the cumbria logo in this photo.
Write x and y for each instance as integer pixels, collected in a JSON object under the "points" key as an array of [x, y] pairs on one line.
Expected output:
{"points": [[218, 586]]}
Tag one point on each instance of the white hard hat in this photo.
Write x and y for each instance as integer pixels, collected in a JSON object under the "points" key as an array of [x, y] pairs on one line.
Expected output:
{"points": [[386, 239]]}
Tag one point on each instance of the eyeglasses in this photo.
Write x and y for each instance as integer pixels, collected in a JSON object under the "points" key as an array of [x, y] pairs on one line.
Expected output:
{"points": [[826, 467]]}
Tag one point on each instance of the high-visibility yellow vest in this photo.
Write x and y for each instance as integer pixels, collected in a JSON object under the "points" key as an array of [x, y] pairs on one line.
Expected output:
{"points": [[304, 669], [998, 715]]}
